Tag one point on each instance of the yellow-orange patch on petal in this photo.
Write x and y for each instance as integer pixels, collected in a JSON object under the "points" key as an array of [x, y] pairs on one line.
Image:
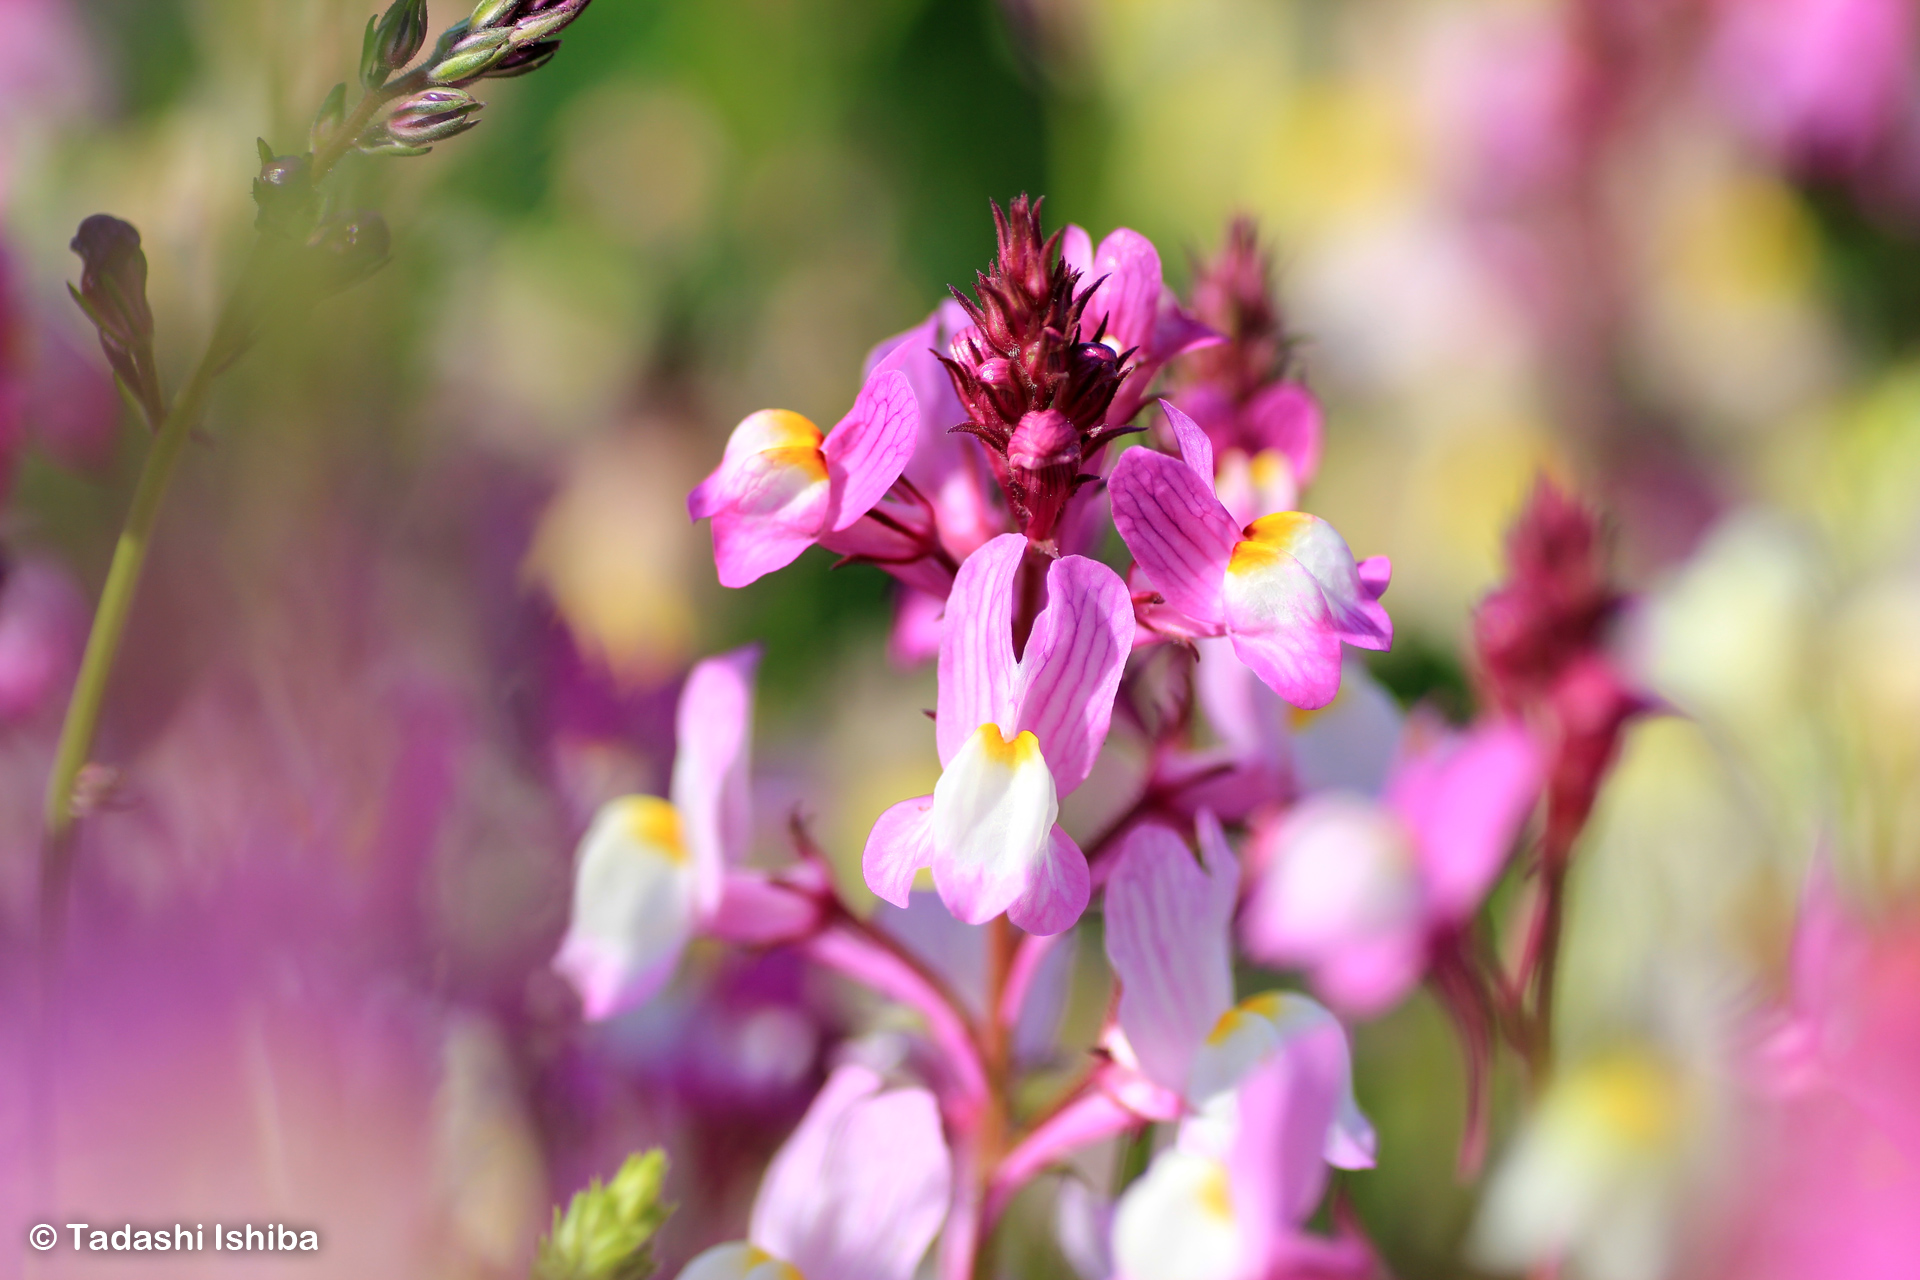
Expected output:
{"points": [[653, 824], [771, 429]]}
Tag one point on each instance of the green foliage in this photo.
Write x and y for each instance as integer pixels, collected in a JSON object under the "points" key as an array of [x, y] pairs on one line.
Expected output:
{"points": [[607, 1231]]}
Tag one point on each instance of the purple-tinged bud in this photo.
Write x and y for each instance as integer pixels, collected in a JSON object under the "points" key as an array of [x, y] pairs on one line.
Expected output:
{"points": [[471, 57], [541, 23], [402, 31], [524, 58], [1043, 466], [1233, 295], [113, 293], [431, 116]]}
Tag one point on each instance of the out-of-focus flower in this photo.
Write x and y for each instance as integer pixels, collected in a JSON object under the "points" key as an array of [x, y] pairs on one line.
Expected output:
{"points": [[43, 622], [1819, 82], [1597, 1176], [1357, 891], [858, 1192], [1014, 736], [651, 871], [1130, 308], [782, 487], [1835, 1143], [1266, 428], [1036, 387], [1285, 588]]}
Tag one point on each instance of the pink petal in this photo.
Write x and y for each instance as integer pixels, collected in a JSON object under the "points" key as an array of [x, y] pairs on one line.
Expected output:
{"points": [[1176, 332], [1196, 450], [1128, 297], [1076, 250], [1287, 1107], [1179, 534], [1287, 417], [916, 627], [713, 728], [1465, 802], [977, 674], [768, 497], [1353, 604], [900, 843], [869, 448], [860, 1189], [1167, 939], [1071, 669], [1282, 629], [756, 910], [1375, 573], [1057, 891]]}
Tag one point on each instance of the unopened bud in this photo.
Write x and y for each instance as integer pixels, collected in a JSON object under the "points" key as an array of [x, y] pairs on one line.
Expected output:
{"points": [[544, 22], [493, 13], [113, 293], [403, 29], [431, 116], [470, 59], [524, 58], [284, 190]]}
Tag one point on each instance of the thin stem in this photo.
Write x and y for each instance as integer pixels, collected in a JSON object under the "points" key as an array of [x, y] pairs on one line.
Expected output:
{"points": [[110, 618]]}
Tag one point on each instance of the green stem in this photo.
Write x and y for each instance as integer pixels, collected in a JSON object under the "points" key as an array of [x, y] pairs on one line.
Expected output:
{"points": [[116, 602]]}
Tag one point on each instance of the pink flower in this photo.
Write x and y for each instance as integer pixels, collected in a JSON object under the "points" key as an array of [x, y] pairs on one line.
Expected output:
{"points": [[1355, 891], [652, 872], [1132, 311], [43, 624], [1268, 1087], [781, 486], [1818, 81], [858, 1192], [1014, 736], [1285, 588]]}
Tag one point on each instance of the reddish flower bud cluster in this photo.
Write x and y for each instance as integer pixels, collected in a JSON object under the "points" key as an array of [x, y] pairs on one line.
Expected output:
{"points": [[1541, 640], [1035, 393], [1233, 295]]}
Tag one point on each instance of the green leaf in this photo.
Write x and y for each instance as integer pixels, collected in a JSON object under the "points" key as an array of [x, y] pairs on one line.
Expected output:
{"points": [[607, 1232]]}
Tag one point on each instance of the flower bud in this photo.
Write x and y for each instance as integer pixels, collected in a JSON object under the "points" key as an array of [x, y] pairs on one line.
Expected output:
{"points": [[113, 293], [402, 31], [544, 22], [471, 57], [607, 1231], [431, 116], [492, 13], [524, 58], [284, 191]]}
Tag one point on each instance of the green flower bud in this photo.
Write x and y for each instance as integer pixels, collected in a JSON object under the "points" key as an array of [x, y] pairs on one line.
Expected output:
{"points": [[538, 26], [284, 191], [403, 30], [491, 12], [431, 116], [470, 59], [607, 1232]]}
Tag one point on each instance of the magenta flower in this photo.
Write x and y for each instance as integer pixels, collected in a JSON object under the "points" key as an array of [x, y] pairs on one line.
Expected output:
{"points": [[1285, 588], [781, 486], [1014, 736], [1357, 892], [1132, 310], [652, 872], [858, 1192]]}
